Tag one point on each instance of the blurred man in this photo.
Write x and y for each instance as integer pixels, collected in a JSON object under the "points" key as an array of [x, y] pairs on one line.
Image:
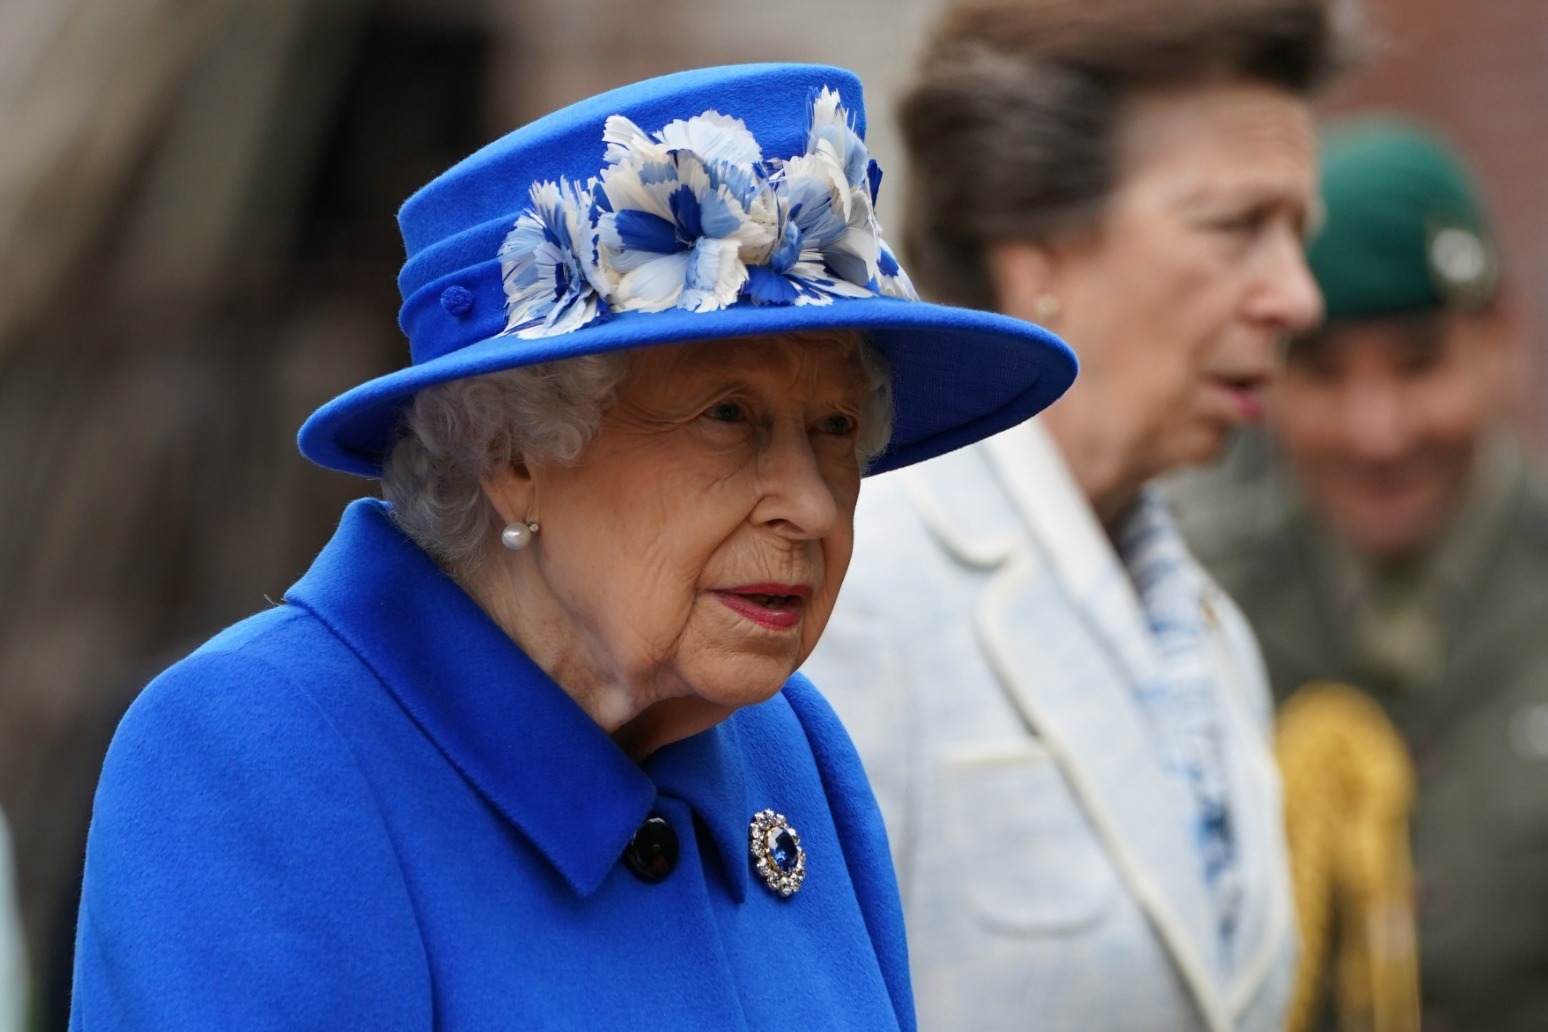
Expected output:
{"points": [[1395, 539]]}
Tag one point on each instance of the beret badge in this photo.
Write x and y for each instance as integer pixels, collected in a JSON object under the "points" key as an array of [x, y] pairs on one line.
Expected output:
{"points": [[1462, 266]]}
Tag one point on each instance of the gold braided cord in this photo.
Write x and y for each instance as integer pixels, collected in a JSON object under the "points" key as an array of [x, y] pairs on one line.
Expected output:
{"points": [[1349, 787]]}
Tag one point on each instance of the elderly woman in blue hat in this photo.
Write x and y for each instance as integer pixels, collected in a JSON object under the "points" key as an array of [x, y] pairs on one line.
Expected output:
{"points": [[524, 748]]}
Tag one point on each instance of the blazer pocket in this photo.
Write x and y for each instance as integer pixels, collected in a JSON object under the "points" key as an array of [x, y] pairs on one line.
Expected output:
{"points": [[1027, 859]]}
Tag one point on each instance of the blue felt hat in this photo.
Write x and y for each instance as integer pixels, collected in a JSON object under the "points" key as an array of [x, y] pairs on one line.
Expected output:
{"points": [[709, 204]]}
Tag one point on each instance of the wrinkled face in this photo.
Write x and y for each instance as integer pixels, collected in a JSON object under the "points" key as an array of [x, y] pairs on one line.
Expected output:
{"points": [[1381, 420], [1175, 305], [695, 549]]}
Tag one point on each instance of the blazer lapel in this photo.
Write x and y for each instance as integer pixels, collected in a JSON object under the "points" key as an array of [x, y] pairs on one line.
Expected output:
{"points": [[1072, 544], [1062, 627]]}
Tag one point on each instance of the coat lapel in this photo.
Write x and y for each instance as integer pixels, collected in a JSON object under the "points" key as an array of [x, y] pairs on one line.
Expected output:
{"points": [[1063, 629], [1072, 545]]}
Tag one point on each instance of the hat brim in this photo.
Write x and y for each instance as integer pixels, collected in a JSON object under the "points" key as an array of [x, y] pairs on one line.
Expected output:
{"points": [[958, 375]]}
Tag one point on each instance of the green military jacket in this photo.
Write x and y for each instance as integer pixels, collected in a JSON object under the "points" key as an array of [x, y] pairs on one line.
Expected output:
{"points": [[1460, 664]]}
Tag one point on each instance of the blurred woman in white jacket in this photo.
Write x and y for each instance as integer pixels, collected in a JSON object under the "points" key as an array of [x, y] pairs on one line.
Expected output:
{"points": [[1065, 721]]}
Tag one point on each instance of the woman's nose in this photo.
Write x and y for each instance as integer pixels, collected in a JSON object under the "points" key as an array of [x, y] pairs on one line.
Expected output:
{"points": [[796, 498], [1290, 299]]}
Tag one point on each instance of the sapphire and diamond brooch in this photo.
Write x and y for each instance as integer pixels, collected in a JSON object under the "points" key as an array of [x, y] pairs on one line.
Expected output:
{"points": [[777, 852]]}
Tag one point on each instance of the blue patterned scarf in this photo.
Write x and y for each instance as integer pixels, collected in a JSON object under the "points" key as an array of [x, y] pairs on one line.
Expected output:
{"points": [[1183, 704]]}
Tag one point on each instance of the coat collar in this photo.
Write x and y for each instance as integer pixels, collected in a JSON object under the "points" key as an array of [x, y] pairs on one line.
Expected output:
{"points": [[512, 733], [1076, 548], [1062, 626]]}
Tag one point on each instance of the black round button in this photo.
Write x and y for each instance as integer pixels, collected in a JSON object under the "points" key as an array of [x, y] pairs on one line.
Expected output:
{"points": [[652, 853]]}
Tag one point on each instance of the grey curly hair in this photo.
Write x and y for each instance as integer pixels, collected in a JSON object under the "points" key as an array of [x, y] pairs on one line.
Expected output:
{"points": [[455, 433]]}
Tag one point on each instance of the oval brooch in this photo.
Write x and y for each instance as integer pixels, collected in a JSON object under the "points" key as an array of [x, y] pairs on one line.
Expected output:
{"points": [[777, 852]]}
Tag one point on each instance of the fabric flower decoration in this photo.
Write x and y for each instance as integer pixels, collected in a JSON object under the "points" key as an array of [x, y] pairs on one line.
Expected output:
{"points": [[830, 245], [680, 213], [892, 280], [845, 233], [694, 217], [545, 268]]}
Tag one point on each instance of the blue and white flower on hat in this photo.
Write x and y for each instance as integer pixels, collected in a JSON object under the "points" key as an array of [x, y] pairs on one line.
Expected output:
{"points": [[830, 197], [549, 287], [728, 151], [677, 213], [828, 239], [846, 234], [694, 217], [894, 282]]}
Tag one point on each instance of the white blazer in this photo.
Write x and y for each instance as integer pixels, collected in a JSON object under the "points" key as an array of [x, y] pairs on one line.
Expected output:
{"points": [[984, 655]]}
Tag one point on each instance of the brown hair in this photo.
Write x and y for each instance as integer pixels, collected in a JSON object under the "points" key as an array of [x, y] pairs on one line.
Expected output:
{"points": [[1010, 127]]}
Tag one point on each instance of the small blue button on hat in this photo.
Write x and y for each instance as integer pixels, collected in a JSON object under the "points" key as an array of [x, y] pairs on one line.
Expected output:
{"points": [[718, 203]]}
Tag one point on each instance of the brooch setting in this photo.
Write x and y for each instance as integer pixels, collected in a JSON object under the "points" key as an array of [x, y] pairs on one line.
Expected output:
{"points": [[777, 853]]}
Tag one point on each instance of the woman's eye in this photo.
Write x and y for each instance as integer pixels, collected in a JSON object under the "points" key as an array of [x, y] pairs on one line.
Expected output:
{"points": [[839, 425], [727, 412]]}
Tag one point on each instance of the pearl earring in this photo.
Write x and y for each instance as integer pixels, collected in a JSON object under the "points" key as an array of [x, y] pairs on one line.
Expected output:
{"points": [[517, 536], [1047, 306]]}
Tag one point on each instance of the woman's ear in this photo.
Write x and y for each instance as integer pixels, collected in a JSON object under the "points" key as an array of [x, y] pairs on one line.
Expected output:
{"points": [[511, 492], [1023, 276]]}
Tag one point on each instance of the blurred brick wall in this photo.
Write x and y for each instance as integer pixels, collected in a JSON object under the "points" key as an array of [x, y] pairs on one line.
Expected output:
{"points": [[1479, 73]]}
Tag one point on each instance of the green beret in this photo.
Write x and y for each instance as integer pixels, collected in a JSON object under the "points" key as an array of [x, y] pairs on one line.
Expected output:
{"points": [[1405, 228]]}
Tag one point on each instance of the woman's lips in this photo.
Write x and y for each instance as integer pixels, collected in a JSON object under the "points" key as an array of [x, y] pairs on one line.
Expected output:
{"points": [[777, 607], [1244, 393]]}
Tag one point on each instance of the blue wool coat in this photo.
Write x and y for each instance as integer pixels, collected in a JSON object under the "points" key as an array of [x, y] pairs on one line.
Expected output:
{"points": [[367, 809]]}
